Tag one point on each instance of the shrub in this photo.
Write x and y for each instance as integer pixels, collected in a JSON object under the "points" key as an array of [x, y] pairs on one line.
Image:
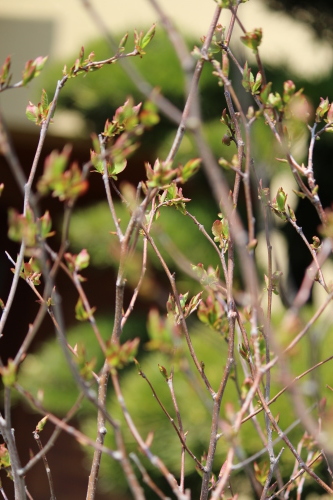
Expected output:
{"points": [[202, 310]]}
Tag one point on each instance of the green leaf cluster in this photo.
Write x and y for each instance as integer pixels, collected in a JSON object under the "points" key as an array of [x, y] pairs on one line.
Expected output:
{"points": [[40, 112], [120, 355], [252, 39], [64, 183], [185, 308], [120, 136], [141, 40], [25, 228]]}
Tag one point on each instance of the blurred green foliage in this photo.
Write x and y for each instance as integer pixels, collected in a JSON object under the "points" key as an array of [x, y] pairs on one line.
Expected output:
{"points": [[91, 228]]}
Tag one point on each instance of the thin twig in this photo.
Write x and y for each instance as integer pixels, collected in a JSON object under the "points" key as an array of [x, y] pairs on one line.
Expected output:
{"points": [[155, 460], [293, 479], [3, 493], [146, 477], [8, 436], [62, 424], [182, 321], [106, 181], [179, 431], [101, 433], [52, 438], [46, 464], [194, 87]]}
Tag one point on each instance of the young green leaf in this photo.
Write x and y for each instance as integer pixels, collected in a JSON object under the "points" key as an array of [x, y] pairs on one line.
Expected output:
{"points": [[322, 109], [281, 198], [122, 43], [9, 373], [80, 312], [252, 39], [45, 224], [41, 424], [119, 355], [163, 372], [189, 169], [82, 260], [5, 76], [257, 83], [248, 78], [265, 92], [148, 36]]}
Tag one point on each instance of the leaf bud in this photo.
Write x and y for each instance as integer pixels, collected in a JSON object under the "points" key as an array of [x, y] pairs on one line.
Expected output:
{"points": [[226, 139]]}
